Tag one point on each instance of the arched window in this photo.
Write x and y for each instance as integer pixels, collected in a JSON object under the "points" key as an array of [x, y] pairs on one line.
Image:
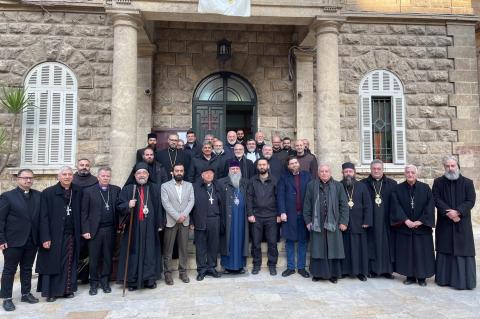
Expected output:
{"points": [[382, 118], [50, 121]]}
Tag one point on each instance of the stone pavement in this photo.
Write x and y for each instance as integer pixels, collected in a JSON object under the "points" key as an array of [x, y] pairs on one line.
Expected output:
{"points": [[263, 296]]}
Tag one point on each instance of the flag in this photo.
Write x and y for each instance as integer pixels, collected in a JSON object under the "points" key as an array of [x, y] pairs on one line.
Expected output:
{"points": [[239, 8]]}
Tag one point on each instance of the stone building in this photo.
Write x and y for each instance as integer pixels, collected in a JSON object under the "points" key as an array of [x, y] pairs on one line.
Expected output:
{"points": [[396, 80]]}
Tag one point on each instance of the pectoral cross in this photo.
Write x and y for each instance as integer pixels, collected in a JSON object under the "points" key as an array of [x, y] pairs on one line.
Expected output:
{"points": [[68, 210], [211, 200], [107, 206], [412, 203]]}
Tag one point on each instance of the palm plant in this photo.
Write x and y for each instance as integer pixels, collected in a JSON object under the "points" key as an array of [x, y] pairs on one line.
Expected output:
{"points": [[14, 100]]}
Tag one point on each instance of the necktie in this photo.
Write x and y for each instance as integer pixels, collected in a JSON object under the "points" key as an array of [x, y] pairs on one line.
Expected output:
{"points": [[141, 216]]}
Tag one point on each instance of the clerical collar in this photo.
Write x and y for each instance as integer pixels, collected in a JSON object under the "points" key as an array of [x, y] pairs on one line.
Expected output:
{"points": [[22, 190], [295, 174], [172, 149], [103, 188]]}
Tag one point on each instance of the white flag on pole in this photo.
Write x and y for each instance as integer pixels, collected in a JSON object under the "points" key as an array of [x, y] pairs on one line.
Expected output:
{"points": [[226, 7]]}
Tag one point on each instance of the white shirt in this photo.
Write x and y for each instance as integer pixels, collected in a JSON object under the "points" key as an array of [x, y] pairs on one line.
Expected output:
{"points": [[178, 188]]}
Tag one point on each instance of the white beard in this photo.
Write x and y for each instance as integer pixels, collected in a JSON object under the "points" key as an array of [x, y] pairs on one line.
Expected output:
{"points": [[452, 176], [235, 179]]}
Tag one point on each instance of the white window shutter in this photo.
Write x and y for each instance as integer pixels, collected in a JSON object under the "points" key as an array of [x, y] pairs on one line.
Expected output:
{"points": [[366, 129], [49, 123], [399, 147]]}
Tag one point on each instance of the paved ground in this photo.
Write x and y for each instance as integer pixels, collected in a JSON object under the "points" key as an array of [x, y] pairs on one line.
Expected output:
{"points": [[264, 296]]}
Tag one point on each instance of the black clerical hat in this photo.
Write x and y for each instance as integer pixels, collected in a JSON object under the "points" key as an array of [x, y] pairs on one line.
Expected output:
{"points": [[208, 168], [141, 165], [348, 165], [151, 135]]}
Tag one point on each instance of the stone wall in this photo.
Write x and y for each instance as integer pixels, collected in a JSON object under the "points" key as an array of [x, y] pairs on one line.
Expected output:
{"points": [[84, 43], [187, 54], [412, 6]]}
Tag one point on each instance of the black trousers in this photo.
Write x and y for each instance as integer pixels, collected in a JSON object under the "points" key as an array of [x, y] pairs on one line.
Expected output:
{"points": [[25, 256], [267, 226], [100, 248], [206, 245]]}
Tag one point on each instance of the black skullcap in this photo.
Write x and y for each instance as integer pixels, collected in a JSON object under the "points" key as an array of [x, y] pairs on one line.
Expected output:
{"points": [[348, 165]]}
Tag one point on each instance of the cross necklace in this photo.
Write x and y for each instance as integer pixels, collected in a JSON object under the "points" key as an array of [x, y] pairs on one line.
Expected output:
{"points": [[69, 209], [210, 196], [172, 163], [107, 206]]}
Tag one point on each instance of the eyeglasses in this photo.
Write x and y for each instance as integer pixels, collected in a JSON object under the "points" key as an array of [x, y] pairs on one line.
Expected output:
{"points": [[26, 178]]}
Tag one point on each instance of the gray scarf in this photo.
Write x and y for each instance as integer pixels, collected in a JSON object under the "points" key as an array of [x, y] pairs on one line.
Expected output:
{"points": [[330, 223]]}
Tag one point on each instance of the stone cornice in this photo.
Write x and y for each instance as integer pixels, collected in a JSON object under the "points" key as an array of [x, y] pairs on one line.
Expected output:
{"points": [[378, 17], [130, 18]]}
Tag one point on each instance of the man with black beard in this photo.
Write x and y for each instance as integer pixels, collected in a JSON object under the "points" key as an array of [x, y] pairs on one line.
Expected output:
{"points": [[276, 168], [143, 200], [287, 146], [178, 200], [262, 213], [172, 156], [156, 171], [241, 137], [246, 166], [454, 197], [151, 144], [360, 218], [83, 177], [234, 240]]}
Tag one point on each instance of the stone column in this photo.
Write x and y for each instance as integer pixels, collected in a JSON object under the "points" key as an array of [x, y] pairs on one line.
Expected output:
{"points": [[329, 148], [123, 129], [305, 98], [144, 82]]}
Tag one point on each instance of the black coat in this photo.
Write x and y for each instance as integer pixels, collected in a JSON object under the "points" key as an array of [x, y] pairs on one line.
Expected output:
{"points": [[246, 167], [52, 220], [424, 208], [277, 168], [16, 221], [199, 163], [198, 217], [166, 157], [223, 165], [262, 197], [362, 211], [156, 171], [194, 151], [454, 238], [92, 205]]}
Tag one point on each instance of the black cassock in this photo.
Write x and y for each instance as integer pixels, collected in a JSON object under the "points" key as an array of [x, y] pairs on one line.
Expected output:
{"points": [[145, 260], [380, 237], [355, 237], [414, 254], [455, 265], [169, 157], [57, 266]]}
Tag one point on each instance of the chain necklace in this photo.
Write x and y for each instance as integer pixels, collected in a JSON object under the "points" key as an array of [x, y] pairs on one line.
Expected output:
{"points": [[378, 199], [69, 209], [210, 196], [145, 206], [107, 206], [172, 163], [350, 196]]}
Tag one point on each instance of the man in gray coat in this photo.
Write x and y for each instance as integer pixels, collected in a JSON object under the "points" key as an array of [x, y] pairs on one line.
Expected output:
{"points": [[178, 200], [325, 211]]}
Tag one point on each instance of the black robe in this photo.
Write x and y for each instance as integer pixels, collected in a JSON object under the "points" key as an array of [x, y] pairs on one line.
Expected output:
{"points": [[455, 264], [57, 266], [145, 260], [84, 181], [355, 237], [380, 237], [156, 174], [167, 157], [414, 254]]}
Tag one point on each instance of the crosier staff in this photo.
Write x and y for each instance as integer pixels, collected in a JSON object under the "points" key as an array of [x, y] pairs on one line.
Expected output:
{"points": [[129, 241]]}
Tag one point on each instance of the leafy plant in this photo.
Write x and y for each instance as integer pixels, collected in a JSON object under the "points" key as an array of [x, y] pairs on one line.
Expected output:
{"points": [[14, 100]]}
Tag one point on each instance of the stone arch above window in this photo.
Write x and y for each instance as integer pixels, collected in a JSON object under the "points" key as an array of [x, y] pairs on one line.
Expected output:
{"points": [[50, 121], [382, 118]]}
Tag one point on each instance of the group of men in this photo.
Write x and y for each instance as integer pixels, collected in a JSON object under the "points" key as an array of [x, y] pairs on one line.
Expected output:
{"points": [[230, 195]]}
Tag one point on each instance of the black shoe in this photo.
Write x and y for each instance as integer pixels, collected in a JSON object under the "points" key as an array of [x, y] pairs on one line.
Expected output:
{"points": [[241, 271], [333, 280], [255, 270], [422, 282], [304, 273], [288, 272], [200, 277], [372, 275], [214, 273], [388, 276], [51, 299], [273, 271], [409, 281], [29, 298], [8, 305], [132, 288], [71, 295], [152, 286], [92, 291], [315, 279], [106, 289], [362, 277]]}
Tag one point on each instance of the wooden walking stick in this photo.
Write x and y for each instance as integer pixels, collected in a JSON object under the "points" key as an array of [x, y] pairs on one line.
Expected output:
{"points": [[132, 209]]}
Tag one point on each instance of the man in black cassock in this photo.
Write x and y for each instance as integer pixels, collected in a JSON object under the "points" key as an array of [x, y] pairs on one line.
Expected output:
{"points": [[145, 257], [99, 221], [60, 233], [413, 217], [360, 218], [83, 178], [19, 212], [157, 173], [380, 236], [151, 144], [454, 197], [171, 156], [207, 219]]}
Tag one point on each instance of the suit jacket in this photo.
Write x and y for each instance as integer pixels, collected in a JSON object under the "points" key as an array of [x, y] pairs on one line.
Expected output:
{"points": [[16, 221], [92, 204], [173, 207]]}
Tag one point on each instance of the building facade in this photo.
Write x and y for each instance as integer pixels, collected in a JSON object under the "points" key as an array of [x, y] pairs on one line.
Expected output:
{"points": [[396, 80]]}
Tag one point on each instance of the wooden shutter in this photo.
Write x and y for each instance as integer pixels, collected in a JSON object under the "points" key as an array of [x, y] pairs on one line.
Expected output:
{"points": [[366, 129], [399, 147], [49, 123]]}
